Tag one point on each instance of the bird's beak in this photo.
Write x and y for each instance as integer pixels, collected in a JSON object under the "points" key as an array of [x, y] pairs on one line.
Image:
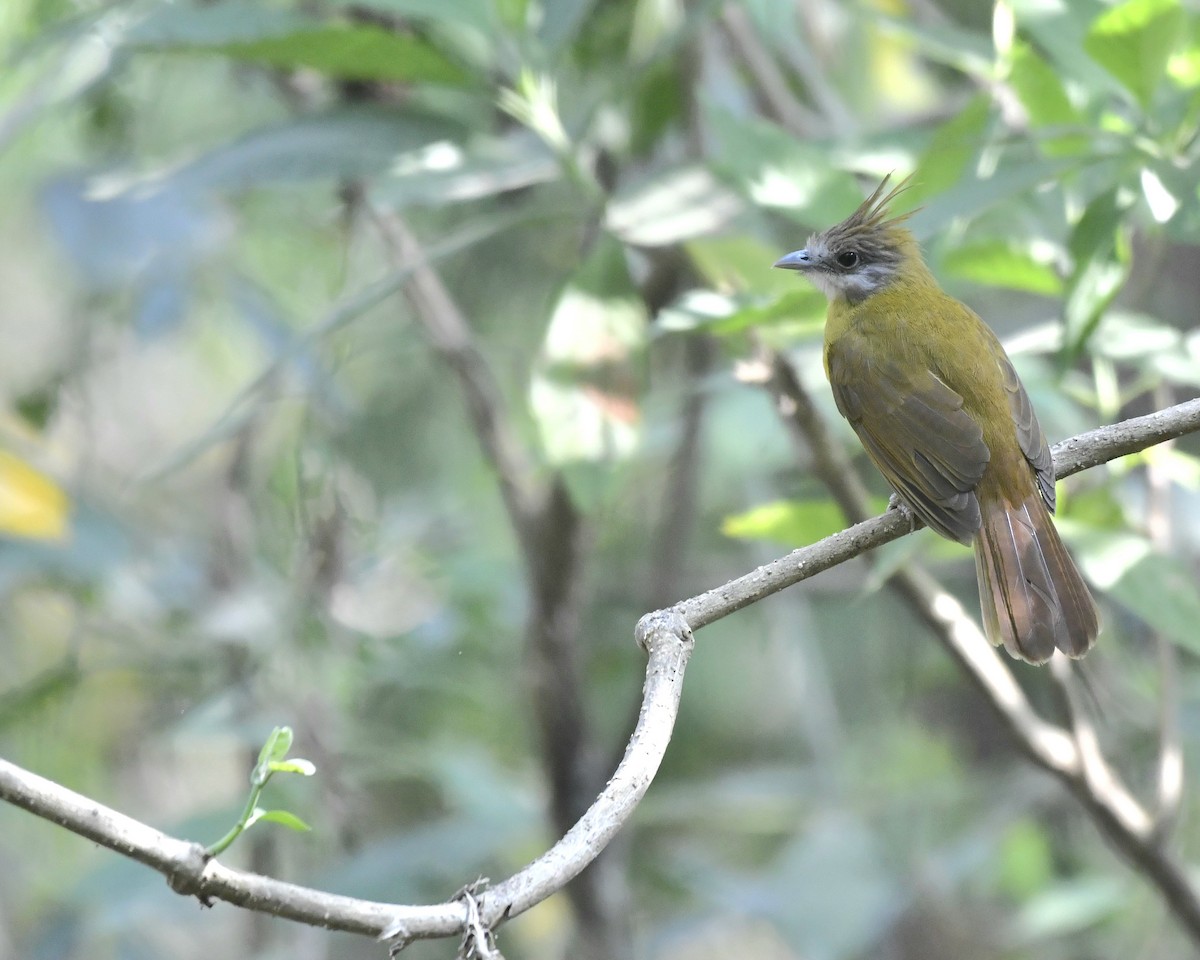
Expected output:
{"points": [[796, 260]]}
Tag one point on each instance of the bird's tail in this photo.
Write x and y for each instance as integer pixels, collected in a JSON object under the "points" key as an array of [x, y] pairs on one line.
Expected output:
{"points": [[1032, 595]]}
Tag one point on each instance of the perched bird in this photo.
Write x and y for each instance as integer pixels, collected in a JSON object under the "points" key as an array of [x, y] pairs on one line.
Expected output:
{"points": [[941, 412]]}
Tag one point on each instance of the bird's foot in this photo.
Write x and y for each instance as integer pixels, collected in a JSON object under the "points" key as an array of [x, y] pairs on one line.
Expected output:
{"points": [[895, 502]]}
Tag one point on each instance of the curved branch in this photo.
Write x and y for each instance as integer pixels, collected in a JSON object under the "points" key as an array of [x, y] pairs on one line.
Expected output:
{"points": [[190, 871], [667, 635]]}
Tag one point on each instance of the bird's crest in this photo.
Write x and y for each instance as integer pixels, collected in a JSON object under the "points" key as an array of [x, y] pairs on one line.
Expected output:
{"points": [[872, 215]]}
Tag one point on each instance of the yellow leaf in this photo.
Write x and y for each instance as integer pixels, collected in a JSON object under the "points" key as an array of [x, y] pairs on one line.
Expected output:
{"points": [[31, 504]]}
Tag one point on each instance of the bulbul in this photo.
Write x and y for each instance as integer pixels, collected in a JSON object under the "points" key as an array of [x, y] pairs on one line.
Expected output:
{"points": [[939, 408]]}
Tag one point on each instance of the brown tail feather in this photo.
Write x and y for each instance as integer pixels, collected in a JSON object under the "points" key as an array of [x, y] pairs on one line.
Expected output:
{"points": [[1032, 595]]}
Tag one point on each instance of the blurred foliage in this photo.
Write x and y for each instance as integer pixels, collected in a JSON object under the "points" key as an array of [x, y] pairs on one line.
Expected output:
{"points": [[238, 491]]}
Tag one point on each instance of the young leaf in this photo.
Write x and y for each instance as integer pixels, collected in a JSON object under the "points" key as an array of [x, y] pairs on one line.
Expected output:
{"points": [[283, 818]]}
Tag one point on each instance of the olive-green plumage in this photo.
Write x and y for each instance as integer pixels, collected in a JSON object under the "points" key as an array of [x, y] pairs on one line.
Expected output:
{"points": [[939, 408]]}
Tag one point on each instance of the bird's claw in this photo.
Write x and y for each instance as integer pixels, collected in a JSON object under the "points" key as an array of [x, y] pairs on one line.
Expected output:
{"points": [[896, 502]]}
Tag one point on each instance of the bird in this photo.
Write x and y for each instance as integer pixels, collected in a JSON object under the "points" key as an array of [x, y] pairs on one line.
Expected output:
{"points": [[939, 409]]}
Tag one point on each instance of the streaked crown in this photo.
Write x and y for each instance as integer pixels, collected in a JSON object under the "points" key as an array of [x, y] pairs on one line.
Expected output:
{"points": [[863, 253]]}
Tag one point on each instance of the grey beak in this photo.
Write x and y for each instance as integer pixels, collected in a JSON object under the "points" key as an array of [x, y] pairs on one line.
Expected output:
{"points": [[796, 260]]}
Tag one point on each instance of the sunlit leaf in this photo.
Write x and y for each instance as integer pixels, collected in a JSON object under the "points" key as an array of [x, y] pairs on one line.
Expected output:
{"points": [[1133, 40], [445, 172], [790, 522], [32, 505], [1183, 366], [673, 207], [306, 768], [1002, 264], [1184, 67], [775, 170]]}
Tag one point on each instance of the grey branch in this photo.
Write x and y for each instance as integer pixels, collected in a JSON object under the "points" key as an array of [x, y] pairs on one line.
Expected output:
{"points": [[668, 638], [1073, 757], [189, 871], [1070, 456]]}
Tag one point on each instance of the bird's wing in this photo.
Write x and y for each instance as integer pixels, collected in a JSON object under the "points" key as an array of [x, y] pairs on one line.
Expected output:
{"points": [[1029, 432], [915, 430]]}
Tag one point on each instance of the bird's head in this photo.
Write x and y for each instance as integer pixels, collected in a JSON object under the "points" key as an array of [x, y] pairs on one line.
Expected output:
{"points": [[862, 254]]}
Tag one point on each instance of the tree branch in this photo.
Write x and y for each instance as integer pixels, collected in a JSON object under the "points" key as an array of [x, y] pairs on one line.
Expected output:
{"points": [[667, 635], [1074, 758], [1071, 456], [191, 872]]}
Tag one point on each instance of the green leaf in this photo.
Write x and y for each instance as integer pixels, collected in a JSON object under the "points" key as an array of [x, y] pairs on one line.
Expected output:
{"points": [[1133, 41], [741, 263], [354, 52], [967, 197], [1045, 101], [1099, 271], [789, 522], [952, 149], [306, 768], [277, 745], [281, 817], [1001, 264], [283, 38]]}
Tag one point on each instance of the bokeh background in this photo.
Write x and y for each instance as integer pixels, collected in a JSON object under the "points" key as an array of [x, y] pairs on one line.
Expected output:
{"points": [[240, 488]]}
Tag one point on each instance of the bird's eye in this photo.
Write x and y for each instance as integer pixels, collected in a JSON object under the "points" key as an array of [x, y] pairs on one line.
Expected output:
{"points": [[848, 259]]}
